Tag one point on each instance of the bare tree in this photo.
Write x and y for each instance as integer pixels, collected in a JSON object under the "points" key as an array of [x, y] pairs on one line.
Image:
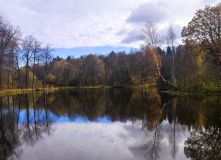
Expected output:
{"points": [[36, 56], [151, 38], [171, 36], [47, 54], [17, 57], [8, 35], [27, 47]]}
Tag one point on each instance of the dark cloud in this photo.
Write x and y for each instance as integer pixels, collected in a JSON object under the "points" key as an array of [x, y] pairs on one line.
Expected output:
{"points": [[132, 36], [148, 11], [121, 32]]}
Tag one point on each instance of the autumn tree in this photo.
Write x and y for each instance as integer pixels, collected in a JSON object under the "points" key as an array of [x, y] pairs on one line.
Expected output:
{"points": [[94, 69], [205, 30], [203, 41], [123, 77], [137, 68], [152, 70], [111, 68], [68, 70]]}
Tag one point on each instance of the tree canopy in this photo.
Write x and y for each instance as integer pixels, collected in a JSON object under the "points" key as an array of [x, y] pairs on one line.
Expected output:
{"points": [[204, 30]]}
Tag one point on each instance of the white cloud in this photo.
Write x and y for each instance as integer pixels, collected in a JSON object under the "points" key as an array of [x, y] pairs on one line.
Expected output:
{"points": [[88, 23]]}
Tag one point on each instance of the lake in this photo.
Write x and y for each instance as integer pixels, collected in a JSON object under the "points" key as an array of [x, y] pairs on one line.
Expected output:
{"points": [[109, 124]]}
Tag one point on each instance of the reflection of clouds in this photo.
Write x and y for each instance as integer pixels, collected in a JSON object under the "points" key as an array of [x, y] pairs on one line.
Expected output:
{"points": [[91, 141], [156, 145], [87, 141]]}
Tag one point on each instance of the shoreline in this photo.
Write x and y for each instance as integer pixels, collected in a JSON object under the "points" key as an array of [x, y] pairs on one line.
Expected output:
{"points": [[7, 92]]}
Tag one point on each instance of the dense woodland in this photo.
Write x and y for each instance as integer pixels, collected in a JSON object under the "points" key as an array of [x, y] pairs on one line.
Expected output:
{"points": [[193, 65]]}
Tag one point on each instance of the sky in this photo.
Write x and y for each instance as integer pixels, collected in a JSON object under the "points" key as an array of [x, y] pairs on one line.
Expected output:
{"points": [[81, 27]]}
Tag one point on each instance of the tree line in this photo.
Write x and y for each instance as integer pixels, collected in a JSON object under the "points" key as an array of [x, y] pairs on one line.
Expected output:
{"points": [[193, 65]]}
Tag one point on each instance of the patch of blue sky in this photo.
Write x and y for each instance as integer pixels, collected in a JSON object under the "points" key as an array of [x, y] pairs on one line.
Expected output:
{"points": [[83, 51], [40, 116]]}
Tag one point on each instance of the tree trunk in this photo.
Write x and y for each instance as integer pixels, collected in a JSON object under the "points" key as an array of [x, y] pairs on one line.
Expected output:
{"points": [[33, 80], [1, 81], [27, 77], [8, 84], [45, 77]]}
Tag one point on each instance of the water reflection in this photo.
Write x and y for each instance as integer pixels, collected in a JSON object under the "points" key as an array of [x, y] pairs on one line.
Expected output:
{"points": [[133, 124], [13, 133]]}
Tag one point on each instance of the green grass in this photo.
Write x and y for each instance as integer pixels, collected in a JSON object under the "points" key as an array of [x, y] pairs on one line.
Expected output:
{"points": [[21, 91], [14, 92], [196, 92]]}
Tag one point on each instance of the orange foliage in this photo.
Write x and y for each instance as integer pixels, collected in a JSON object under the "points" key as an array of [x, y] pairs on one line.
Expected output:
{"points": [[152, 68]]}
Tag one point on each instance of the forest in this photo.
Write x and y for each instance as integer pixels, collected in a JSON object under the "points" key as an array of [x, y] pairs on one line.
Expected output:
{"points": [[193, 65]]}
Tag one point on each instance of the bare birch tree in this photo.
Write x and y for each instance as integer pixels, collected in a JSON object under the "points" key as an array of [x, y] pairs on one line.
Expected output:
{"points": [[151, 37], [171, 37]]}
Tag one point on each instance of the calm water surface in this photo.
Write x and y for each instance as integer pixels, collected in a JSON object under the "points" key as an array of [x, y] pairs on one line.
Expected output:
{"points": [[109, 124]]}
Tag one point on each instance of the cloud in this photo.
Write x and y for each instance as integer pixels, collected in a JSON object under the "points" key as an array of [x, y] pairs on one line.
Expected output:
{"points": [[93, 23], [165, 13], [121, 32], [132, 36], [97, 140], [149, 11], [62, 23]]}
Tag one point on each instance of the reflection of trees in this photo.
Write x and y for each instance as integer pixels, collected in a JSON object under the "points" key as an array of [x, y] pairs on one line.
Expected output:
{"points": [[174, 128], [116, 104], [153, 142], [204, 144], [152, 146], [205, 136], [13, 134], [9, 136], [142, 107], [201, 115]]}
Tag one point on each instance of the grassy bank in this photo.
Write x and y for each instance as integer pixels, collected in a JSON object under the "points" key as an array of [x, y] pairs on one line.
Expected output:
{"points": [[14, 91], [178, 92], [196, 92], [22, 91]]}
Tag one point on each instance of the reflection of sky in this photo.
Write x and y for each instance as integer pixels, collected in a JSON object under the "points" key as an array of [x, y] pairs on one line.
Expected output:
{"points": [[57, 119], [103, 141]]}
